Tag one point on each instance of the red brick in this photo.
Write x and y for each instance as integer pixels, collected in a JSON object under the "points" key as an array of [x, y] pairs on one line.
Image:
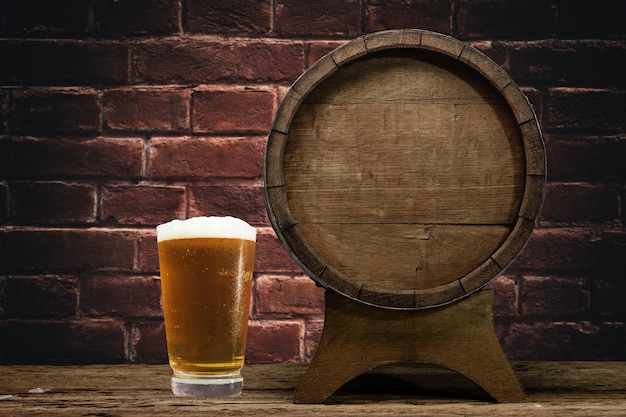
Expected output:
{"points": [[147, 109], [583, 159], [505, 19], [271, 256], [47, 296], [239, 111], [62, 343], [574, 341], [52, 250], [22, 158], [580, 203], [274, 342], [195, 157], [142, 204], [147, 343], [574, 249], [243, 201], [212, 61], [55, 111], [53, 202], [605, 19], [590, 63], [39, 17], [228, 16], [409, 14], [290, 296], [323, 17], [121, 296], [317, 49], [148, 262], [137, 17], [505, 299], [554, 297], [584, 110], [312, 337], [66, 62]]}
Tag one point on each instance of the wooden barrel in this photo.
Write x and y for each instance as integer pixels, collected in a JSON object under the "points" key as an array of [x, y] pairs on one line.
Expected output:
{"points": [[404, 169]]}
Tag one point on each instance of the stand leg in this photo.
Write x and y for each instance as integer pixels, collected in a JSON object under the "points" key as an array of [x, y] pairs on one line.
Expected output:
{"points": [[358, 338]]}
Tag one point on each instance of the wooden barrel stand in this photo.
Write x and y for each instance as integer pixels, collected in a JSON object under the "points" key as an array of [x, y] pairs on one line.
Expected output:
{"points": [[404, 172], [358, 338]]}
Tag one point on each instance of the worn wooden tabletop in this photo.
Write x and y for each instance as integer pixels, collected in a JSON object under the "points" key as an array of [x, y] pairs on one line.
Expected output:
{"points": [[553, 389]]}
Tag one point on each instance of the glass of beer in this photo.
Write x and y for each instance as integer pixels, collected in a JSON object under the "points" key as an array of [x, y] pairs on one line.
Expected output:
{"points": [[206, 266]]}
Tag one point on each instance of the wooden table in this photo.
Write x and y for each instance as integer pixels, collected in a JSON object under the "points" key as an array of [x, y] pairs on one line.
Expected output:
{"points": [[553, 389]]}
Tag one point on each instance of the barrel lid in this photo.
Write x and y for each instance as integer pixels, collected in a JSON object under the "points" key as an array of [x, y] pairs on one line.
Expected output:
{"points": [[404, 169]]}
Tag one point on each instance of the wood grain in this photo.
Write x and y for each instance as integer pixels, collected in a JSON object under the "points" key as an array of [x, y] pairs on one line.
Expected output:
{"points": [[553, 389]]}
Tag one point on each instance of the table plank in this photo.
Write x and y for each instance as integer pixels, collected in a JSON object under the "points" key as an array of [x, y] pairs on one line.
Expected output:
{"points": [[574, 388]]}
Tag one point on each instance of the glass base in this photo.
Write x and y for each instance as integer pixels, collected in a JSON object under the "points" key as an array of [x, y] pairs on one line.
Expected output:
{"points": [[214, 386]]}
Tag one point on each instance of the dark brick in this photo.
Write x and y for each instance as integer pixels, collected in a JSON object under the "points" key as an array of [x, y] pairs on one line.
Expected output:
{"points": [[580, 203], [53, 202], [228, 16], [239, 111], [565, 341], [62, 343], [323, 17], [46, 18], [576, 19], [30, 158], [554, 297], [4, 111], [273, 342], [137, 17], [4, 201], [583, 159], [48, 296], [243, 201], [608, 296], [505, 19], [52, 250], [66, 63], [586, 111], [147, 109], [574, 249], [505, 298], [570, 63], [287, 296], [409, 14], [210, 61], [142, 204], [194, 157], [121, 296], [55, 111], [497, 51], [271, 256], [147, 343]]}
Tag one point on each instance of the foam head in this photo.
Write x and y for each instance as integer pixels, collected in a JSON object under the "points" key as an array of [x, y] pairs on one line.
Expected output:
{"points": [[203, 227]]}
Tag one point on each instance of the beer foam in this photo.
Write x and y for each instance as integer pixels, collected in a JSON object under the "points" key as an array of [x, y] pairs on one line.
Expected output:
{"points": [[211, 227]]}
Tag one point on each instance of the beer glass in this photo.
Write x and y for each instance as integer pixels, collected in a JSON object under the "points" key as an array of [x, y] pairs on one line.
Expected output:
{"points": [[206, 266]]}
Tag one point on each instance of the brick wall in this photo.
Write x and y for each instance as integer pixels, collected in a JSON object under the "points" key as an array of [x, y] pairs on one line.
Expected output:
{"points": [[116, 115]]}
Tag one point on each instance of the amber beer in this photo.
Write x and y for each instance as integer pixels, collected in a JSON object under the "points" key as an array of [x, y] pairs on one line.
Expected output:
{"points": [[206, 268]]}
